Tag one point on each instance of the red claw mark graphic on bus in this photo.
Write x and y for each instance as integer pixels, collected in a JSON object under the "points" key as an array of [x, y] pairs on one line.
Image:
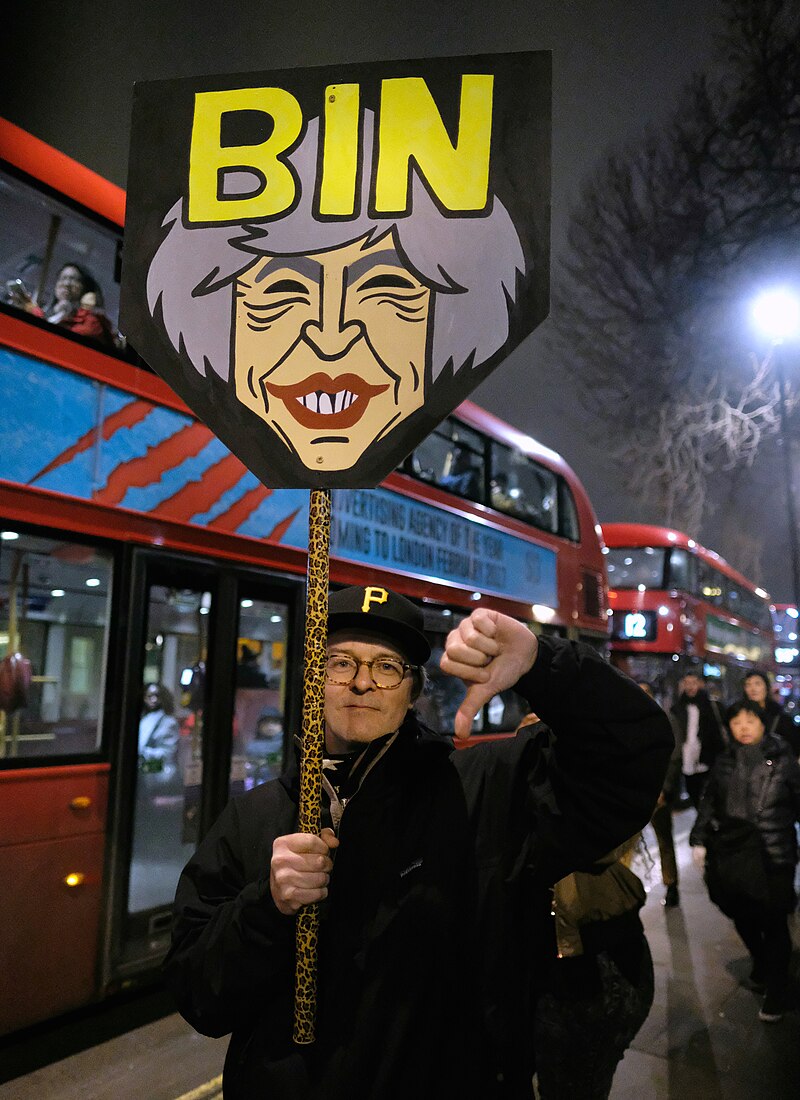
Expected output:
{"points": [[127, 417], [150, 459], [139, 472], [324, 402]]}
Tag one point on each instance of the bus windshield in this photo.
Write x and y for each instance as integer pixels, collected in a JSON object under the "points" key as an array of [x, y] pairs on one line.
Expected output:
{"points": [[636, 567]]}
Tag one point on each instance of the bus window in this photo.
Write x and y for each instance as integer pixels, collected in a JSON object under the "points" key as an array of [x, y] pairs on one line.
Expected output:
{"points": [[682, 571], [453, 456], [259, 710], [170, 744], [443, 695], [521, 487], [58, 265], [429, 459], [54, 610], [570, 525], [632, 567], [711, 584], [504, 712]]}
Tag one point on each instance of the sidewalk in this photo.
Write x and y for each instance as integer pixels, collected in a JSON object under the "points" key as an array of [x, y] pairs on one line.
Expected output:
{"points": [[703, 1038], [702, 1041]]}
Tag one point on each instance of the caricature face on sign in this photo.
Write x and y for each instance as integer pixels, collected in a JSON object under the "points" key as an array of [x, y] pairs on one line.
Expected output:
{"points": [[330, 349], [323, 288]]}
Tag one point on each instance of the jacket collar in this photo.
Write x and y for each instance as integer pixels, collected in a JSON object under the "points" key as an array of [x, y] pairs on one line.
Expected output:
{"points": [[411, 732]]}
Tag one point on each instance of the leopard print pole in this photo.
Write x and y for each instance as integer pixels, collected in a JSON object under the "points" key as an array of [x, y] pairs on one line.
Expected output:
{"points": [[319, 533]]}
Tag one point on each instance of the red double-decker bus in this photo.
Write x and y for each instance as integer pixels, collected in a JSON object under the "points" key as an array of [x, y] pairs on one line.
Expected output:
{"points": [[787, 656], [158, 590], [676, 605]]}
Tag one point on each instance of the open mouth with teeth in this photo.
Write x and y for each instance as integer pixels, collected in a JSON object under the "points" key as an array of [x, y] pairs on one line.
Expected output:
{"points": [[320, 401]]}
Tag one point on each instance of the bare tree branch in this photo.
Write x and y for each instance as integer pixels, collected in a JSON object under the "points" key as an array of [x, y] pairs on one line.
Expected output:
{"points": [[668, 240]]}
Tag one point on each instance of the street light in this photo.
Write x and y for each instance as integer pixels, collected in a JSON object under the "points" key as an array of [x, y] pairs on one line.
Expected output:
{"points": [[776, 312]]}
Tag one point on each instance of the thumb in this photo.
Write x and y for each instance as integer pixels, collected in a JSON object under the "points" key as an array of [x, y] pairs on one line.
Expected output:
{"points": [[330, 837], [477, 695]]}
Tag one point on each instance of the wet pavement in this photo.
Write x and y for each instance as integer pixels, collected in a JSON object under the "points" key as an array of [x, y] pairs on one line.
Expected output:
{"points": [[702, 1039]]}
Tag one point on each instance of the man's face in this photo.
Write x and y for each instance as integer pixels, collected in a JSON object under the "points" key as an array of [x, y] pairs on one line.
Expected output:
{"points": [[360, 712], [691, 686], [330, 349]]}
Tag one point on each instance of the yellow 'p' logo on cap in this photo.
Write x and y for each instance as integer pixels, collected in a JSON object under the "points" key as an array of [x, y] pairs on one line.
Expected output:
{"points": [[374, 595]]}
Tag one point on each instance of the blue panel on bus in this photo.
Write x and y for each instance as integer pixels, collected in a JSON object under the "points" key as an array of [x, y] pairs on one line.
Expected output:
{"points": [[69, 434], [385, 529]]}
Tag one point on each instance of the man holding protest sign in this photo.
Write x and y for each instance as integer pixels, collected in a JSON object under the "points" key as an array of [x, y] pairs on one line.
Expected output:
{"points": [[323, 264], [430, 869]]}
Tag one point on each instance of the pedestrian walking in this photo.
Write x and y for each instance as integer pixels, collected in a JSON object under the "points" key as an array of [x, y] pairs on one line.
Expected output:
{"points": [[745, 838], [699, 733]]}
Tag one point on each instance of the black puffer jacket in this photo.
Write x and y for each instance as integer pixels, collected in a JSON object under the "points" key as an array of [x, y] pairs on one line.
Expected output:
{"points": [[774, 789], [428, 944], [781, 724]]}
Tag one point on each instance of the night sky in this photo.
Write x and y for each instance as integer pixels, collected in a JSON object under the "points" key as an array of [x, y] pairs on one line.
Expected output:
{"points": [[618, 65]]}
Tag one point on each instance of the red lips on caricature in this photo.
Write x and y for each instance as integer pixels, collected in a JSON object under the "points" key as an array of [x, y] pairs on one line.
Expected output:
{"points": [[320, 401]]}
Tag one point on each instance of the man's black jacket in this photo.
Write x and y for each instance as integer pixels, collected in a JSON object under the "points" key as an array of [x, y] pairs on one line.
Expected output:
{"points": [[427, 954]]}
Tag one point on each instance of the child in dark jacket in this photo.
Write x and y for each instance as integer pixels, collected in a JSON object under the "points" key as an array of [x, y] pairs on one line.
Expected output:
{"points": [[745, 837]]}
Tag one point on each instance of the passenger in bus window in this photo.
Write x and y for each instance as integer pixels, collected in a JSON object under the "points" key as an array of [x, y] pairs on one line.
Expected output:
{"points": [[72, 282], [91, 320], [758, 689], [432, 869], [77, 305], [461, 477], [699, 732], [500, 497]]}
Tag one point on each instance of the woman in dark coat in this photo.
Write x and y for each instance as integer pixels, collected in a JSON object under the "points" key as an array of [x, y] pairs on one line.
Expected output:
{"points": [[758, 689], [745, 835]]}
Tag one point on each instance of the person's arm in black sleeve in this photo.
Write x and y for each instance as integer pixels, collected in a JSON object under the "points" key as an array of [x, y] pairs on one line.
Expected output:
{"points": [[598, 781], [608, 757], [698, 837], [232, 950]]}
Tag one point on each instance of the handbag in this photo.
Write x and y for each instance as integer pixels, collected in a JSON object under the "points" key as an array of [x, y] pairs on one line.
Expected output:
{"points": [[15, 682], [736, 865], [159, 774]]}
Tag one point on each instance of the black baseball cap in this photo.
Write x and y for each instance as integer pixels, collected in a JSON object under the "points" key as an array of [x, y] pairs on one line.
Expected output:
{"points": [[380, 611]]}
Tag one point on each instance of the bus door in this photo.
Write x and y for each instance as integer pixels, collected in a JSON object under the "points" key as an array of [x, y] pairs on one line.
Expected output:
{"points": [[206, 716], [159, 769], [265, 710]]}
